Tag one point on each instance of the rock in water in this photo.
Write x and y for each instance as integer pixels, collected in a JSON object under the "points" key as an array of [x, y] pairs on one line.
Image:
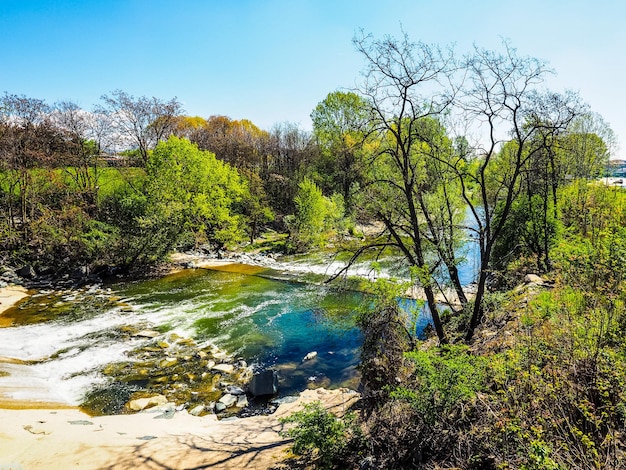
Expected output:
{"points": [[147, 334], [264, 383], [309, 356], [242, 401], [225, 368], [234, 390], [219, 407]]}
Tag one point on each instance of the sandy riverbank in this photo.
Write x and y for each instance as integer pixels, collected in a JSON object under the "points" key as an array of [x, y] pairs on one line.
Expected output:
{"points": [[11, 295], [67, 438]]}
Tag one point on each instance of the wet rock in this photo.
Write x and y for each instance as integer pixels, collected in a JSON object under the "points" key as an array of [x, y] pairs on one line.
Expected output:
{"points": [[242, 401], [27, 272], [225, 368], [80, 272], [219, 407], [168, 362], [280, 401], [310, 356], [220, 356], [147, 334], [234, 390], [143, 403], [264, 383], [228, 400]]}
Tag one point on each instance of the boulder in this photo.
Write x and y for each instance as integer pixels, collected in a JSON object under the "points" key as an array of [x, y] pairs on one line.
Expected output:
{"points": [[219, 407], [242, 401], [228, 400], [26, 271], [196, 410], [143, 403], [264, 383], [234, 390]]}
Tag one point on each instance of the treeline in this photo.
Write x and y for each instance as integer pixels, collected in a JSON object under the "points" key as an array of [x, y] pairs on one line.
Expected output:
{"points": [[84, 187]]}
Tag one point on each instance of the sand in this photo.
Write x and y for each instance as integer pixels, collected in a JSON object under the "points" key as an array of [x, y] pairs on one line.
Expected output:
{"points": [[36, 435], [10, 295], [67, 438]]}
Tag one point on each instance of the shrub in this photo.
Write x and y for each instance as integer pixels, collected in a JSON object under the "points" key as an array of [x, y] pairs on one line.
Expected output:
{"points": [[319, 435]]}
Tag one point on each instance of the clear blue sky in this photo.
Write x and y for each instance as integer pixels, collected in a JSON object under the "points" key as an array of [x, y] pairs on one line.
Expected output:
{"points": [[272, 61]]}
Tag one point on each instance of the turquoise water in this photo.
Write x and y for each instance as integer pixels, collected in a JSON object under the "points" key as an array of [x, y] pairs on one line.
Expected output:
{"points": [[268, 323], [81, 345]]}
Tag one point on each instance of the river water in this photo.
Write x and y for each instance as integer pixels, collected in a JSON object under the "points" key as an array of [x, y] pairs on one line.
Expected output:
{"points": [[59, 343], [61, 346]]}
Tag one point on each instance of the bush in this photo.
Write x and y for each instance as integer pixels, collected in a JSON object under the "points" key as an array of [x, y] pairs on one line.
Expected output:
{"points": [[319, 435]]}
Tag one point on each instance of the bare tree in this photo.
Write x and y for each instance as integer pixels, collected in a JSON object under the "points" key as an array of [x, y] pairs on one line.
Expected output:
{"points": [[501, 99], [408, 87], [28, 139], [141, 122]]}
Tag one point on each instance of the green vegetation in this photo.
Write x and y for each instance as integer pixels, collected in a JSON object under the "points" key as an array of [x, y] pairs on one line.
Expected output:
{"points": [[520, 374], [319, 433]]}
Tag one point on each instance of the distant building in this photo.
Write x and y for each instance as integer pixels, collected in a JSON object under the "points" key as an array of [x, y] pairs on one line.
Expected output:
{"points": [[616, 168]]}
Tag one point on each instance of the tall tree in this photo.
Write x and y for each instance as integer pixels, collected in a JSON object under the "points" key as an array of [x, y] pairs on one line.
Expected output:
{"points": [[404, 82], [500, 98], [28, 139], [80, 159], [140, 122], [340, 127]]}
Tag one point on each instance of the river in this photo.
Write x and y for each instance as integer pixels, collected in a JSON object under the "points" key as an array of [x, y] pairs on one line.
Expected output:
{"points": [[85, 347]]}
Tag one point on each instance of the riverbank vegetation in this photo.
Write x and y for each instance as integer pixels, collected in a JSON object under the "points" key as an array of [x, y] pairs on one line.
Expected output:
{"points": [[438, 151]]}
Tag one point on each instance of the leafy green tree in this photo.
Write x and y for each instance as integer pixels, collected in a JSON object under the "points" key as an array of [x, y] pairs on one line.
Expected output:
{"points": [[315, 215], [340, 127], [255, 204], [190, 189]]}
